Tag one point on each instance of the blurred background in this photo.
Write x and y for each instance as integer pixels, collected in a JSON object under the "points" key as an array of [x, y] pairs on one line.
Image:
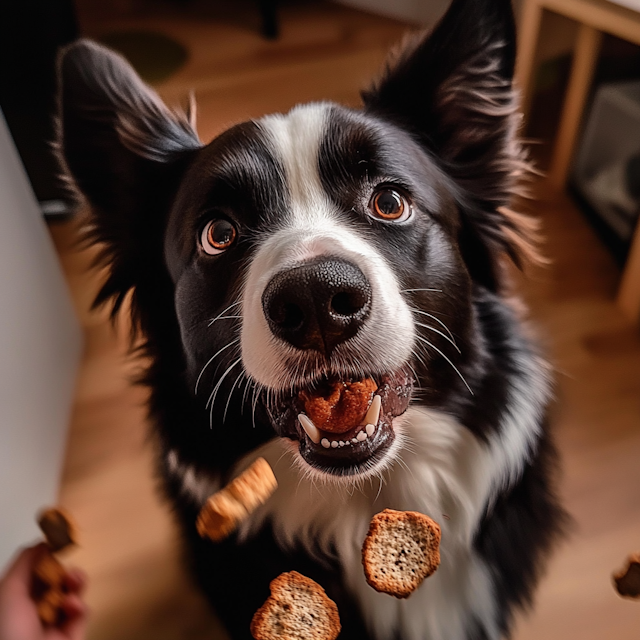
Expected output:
{"points": [[72, 426]]}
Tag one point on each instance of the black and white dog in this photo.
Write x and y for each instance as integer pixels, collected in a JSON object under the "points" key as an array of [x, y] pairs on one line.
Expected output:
{"points": [[331, 245]]}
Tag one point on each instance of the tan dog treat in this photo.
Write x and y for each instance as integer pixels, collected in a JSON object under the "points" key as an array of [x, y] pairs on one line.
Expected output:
{"points": [[58, 529], [224, 510], [400, 551], [343, 408], [297, 609], [48, 588], [627, 581]]}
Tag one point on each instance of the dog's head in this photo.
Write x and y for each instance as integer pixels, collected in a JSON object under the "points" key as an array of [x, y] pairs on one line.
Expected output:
{"points": [[319, 266]]}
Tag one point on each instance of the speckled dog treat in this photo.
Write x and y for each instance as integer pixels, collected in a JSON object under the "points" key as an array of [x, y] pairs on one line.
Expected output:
{"points": [[400, 551], [297, 609]]}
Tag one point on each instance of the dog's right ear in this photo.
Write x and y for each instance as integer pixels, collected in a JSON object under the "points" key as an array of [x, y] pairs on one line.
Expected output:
{"points": [[126, 152]]}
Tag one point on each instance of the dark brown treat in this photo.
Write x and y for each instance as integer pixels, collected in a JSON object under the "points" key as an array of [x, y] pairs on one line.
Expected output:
{"points": [[50, 609], [400, 551], [343, 408], [58, 529], [48, 588], [627, 581], [297, 609]]}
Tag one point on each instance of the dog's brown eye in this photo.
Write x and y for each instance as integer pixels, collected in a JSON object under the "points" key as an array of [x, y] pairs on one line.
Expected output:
{"points": [[217, 236], [388, 204]]}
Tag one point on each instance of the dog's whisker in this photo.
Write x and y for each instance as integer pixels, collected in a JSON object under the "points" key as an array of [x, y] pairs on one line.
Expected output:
{"points": [[213, 357], [429, 344], [380, 483], [446, 337], [256, 395], [224, 318], [214, 393], [233, 304], [247, 386], [430, 315], [224, 415], [412, 290]]}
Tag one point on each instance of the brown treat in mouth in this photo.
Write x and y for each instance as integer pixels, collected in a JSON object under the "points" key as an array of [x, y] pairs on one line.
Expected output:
{"points": [[343, 408]]}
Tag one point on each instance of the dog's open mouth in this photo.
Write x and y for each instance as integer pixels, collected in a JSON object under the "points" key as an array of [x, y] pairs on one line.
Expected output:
{"points": [[344, 427]]}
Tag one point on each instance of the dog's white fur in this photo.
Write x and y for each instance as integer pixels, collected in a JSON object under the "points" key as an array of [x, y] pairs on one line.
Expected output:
{"points": [[313, 229], [436, 466]]}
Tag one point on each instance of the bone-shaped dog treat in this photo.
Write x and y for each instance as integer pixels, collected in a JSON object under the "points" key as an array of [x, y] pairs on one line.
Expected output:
{"points": [[48, 587], [401, 549], [225, 509]]}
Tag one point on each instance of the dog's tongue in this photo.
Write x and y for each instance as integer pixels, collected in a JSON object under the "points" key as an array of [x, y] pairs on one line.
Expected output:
{"points": [[340, 406]]}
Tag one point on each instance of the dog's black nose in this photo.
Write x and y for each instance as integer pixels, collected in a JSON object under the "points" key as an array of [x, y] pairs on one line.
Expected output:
{"points": [[317, 305]]}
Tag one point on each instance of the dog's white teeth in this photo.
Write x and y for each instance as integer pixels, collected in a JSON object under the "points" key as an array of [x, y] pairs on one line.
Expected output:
{"points": [[325, 443], [354, 440], [373, 414], [309, 428], [371, 429], [334, 444], [361, 437], [341, 443]]}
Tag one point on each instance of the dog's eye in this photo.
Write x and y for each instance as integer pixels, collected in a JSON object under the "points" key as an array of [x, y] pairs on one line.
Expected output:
{"points": [[217, 236], [388, 204]]}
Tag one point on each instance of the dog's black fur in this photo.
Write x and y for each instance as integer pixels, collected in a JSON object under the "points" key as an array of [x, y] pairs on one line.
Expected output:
{"points": [[443, 119]]}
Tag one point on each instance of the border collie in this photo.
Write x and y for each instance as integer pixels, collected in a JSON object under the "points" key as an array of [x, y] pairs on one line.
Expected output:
{"points": [[324, 246]]}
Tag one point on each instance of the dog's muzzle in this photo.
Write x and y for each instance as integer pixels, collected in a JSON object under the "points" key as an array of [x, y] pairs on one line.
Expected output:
{"points": [[343, 425]]}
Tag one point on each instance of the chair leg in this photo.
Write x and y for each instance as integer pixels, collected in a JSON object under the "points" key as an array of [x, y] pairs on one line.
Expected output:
{"points": [[269, 15]]}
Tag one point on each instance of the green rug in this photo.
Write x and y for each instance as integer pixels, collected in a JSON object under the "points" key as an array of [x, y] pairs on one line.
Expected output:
{"points": [[154, 56]]}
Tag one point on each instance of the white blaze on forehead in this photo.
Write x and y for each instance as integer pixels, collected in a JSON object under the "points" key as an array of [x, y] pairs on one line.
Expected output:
{"points": [[313, 226], [296, 139]]}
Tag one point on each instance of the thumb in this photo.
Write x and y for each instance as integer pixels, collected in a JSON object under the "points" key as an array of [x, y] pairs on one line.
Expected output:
{"points": [[19, 573]]}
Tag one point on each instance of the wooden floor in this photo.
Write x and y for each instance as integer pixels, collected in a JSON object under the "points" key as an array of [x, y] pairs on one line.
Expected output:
{"points": [[138, 588]]}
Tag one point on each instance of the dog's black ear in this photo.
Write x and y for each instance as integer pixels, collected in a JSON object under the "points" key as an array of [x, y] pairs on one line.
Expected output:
{"points": [[126, 153], [453, 90]]}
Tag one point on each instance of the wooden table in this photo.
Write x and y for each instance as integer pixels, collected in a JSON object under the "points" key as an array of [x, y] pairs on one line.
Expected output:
{"points": [[594, 17]]}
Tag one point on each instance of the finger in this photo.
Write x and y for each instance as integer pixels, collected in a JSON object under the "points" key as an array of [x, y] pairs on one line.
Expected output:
{"points": [[75, 580], [73, 607], [76, 613]]}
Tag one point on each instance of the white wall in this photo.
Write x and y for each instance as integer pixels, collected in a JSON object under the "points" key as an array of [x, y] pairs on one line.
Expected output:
{"points": [[40, 343], [421, 12]]}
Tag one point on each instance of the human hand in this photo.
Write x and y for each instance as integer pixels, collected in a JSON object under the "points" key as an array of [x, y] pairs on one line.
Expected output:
{"points": [[18, 612]]}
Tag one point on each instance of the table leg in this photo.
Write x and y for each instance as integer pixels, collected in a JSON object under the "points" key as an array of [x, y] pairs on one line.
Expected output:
{"points": [[629, 292], [584, 61], [529, 30], [269, 14]]}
